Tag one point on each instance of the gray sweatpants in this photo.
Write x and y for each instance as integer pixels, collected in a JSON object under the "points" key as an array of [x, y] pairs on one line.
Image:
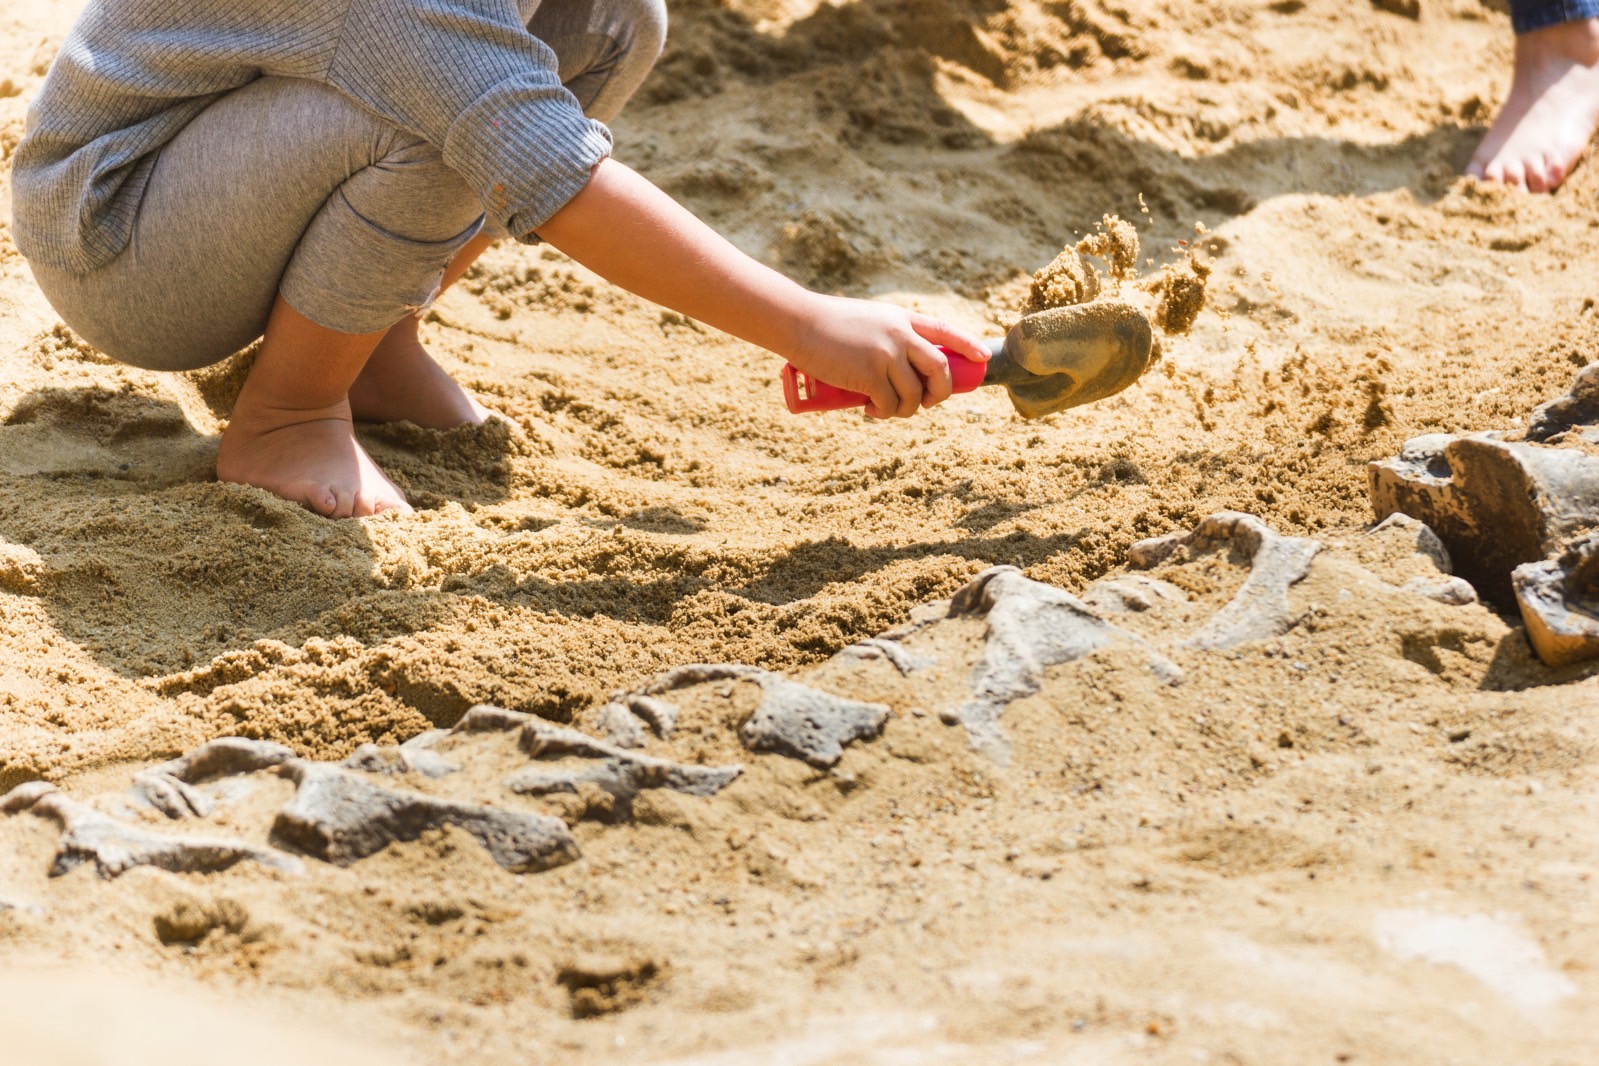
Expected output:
{"points": [[286, 186]]}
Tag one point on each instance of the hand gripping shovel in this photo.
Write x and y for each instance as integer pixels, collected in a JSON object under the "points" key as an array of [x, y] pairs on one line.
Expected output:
{"points": [[1049, 361]]}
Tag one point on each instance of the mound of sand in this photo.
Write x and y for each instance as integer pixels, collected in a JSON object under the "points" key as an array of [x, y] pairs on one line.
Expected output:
{"points": [[1082, 823]]}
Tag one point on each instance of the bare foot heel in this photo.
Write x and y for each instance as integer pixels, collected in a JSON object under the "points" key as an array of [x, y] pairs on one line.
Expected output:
{"points": [[402, 383], [310, 458]]}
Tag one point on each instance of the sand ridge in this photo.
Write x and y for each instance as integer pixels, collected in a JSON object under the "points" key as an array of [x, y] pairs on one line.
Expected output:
{"points": [[1216, 868]]}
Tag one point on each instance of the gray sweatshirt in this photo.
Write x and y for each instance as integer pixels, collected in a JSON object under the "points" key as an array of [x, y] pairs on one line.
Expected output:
{"points": [[465, 75]]}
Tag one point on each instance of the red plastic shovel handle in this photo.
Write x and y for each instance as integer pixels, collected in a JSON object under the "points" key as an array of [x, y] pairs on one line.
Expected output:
{"points": [[804, 393]]}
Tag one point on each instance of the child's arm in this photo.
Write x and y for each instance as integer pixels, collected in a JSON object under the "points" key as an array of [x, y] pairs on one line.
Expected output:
{"points": [[632, 234]]}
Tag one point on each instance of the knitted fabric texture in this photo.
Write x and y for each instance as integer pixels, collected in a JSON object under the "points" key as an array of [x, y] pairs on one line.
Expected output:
{"points": [[464, 75]]}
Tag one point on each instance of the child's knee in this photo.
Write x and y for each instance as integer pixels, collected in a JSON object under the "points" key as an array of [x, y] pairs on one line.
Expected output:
{"points": [[411, 192], [648, 21]]}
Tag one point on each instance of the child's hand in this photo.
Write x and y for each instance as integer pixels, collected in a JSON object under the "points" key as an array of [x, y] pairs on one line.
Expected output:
{"points": [[881, 350], [664, 254]]}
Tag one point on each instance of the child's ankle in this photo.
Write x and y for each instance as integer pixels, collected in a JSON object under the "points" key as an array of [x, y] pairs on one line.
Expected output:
{"points": [[1577, 41], [259, 409]]}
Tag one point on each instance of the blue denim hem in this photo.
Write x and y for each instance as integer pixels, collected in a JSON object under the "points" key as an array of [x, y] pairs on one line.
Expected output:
{"points": [[1529, 15]]}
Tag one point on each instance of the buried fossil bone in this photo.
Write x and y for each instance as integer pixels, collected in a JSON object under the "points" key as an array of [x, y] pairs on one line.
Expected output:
{"points": [[1557, 605], [629, 717], [116, 847], [1454, 591], [806, 723], [891, 651], [659, 715], [340, 818], [392, 759], [1260, 608], [1577, 409], [1495, 504], [616, 769], [620, 773], [1131, 593], [1029, 626], [792, 719], [620, 725], [1407, 537], [1417, 536], [487, 718], [169, 787], [1516, 516]]}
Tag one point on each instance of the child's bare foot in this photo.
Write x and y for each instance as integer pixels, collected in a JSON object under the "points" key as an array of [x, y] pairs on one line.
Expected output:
{"points": [[310, 457], [1552, 110], [401, 382]]}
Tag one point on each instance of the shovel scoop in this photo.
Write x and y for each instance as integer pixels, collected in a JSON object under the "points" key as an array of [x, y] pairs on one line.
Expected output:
{"points": [[1049, 361]]}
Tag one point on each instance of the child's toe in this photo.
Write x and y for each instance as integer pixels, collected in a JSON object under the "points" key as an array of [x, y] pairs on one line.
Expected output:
{"points": [[1508, 171], [318, 498], [1536, 175]]}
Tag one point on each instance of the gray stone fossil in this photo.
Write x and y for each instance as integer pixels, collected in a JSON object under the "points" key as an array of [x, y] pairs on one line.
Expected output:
{"points": [[620, 725], [807, 723], [1495, 504], [628, 714], [1418, 537], [169, 787], [487, 718], [1260, 608], [659, 715], [1517, 517], [792, 719], [1557, 600], [1029, 626], [338, 817], [116, 847], [1578, 409], [398, 759], [891, 651], [620, 773], [1131, 593]]}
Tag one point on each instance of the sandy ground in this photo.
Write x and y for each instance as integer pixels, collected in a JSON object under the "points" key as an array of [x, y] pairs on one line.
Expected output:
{"points": [[1370, 839]]}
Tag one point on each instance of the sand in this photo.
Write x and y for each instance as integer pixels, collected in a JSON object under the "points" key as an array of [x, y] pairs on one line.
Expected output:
{"points": [[1369, 838]]}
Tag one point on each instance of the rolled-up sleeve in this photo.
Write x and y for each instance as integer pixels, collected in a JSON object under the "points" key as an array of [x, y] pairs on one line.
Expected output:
{"points": [[468, 77]]}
